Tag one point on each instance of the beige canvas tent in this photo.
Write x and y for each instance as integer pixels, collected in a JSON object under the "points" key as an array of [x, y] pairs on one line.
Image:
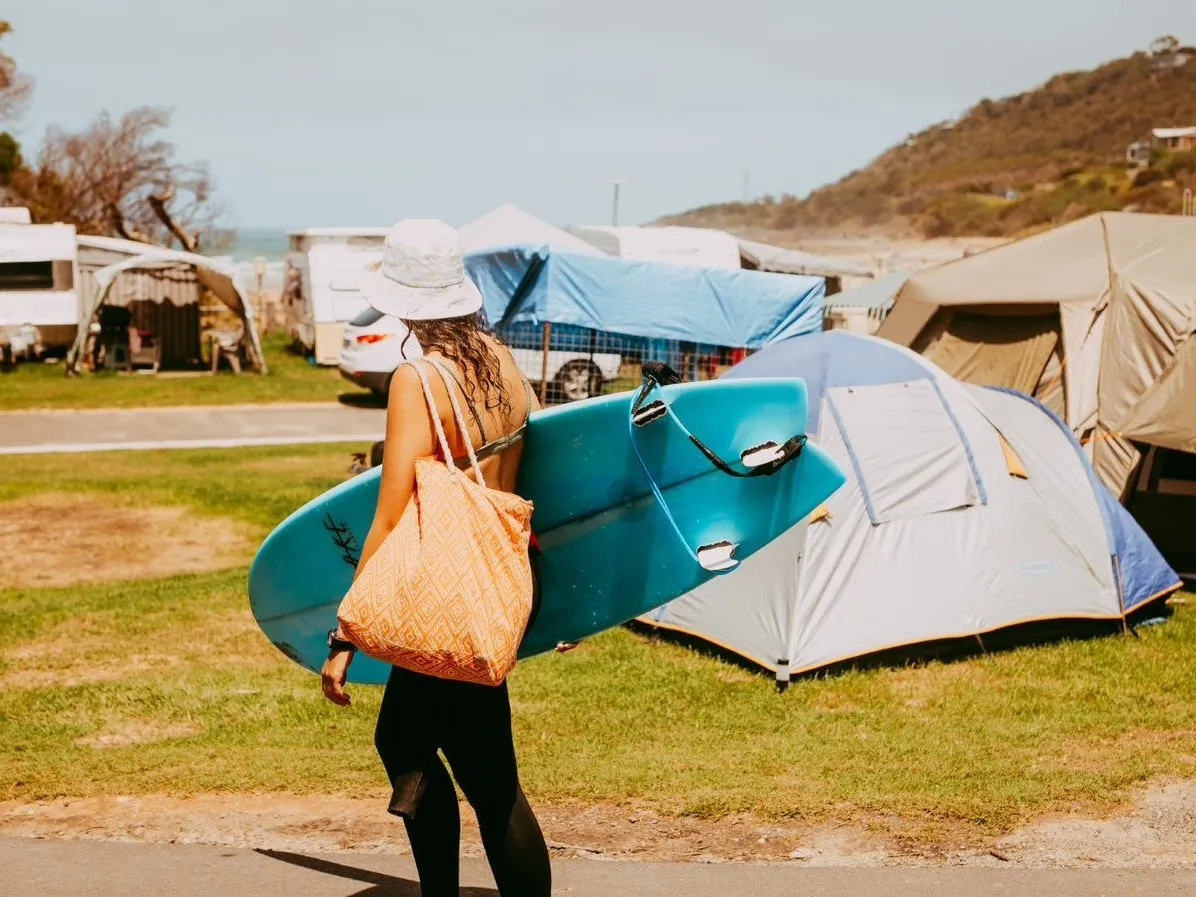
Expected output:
{"points": [[1093, 318]]}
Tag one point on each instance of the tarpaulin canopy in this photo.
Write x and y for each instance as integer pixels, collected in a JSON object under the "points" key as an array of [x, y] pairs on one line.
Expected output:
{"points": [[718, 307], [794, 261], [697, 247], [876, 294], [209, 273]]}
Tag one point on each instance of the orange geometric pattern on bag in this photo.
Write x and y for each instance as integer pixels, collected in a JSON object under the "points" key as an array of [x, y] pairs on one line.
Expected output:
{"points": [[449, 591]]}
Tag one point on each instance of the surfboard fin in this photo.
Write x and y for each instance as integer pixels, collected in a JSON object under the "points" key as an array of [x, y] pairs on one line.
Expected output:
{"points": [[718, 557]]}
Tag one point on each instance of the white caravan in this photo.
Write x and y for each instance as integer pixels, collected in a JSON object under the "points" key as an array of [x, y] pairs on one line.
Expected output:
{"points": [[38, 276], [320, 279]]}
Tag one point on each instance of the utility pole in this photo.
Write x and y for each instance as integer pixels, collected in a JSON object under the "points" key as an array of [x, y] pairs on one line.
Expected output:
{"points": [[614, 215]]}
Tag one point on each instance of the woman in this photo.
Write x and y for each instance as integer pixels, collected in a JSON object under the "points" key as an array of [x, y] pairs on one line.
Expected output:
{"points": [[421, 279]]}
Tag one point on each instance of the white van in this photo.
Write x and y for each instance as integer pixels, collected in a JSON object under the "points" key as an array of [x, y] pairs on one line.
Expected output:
{"points": [[321, 271], [39, 271]]}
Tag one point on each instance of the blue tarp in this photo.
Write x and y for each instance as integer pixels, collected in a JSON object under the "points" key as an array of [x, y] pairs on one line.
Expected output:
{"points": [[749, 309]]}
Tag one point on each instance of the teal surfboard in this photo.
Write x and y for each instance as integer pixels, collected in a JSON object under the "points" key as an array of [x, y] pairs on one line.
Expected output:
{"points": [[610, 551]]}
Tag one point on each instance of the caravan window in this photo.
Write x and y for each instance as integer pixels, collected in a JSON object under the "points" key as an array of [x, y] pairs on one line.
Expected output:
{"points": [[907, 451], [27, 275]]}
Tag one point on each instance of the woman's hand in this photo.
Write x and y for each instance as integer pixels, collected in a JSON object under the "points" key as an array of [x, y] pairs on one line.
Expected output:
{"points": [[562, 647], [332, 678]]}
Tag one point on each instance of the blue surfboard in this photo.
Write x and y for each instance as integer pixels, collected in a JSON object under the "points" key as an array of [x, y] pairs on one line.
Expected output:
{"points": [[628, 516]]}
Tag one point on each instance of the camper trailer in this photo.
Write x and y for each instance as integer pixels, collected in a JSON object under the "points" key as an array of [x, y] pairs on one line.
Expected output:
{"points": [[320, 276], [38, 277]]}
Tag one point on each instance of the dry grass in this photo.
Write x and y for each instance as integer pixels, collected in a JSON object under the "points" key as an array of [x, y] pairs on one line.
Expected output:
{"points": [[57, 539]]}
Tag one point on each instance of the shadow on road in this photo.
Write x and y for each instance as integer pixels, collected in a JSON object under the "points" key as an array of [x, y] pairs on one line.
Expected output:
{"points": [[381, 885], [361, 400]]}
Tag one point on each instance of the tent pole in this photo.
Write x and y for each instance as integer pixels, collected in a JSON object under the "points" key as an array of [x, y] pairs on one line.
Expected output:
{"points": [[547, 339], [789, 612]]}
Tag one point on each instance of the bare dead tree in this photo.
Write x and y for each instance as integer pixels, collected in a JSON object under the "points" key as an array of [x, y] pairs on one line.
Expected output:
{"points": [[121, 178], [15, 86]]}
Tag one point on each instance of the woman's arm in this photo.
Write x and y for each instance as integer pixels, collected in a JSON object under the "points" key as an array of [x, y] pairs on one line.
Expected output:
{"points": [[409, 435]]}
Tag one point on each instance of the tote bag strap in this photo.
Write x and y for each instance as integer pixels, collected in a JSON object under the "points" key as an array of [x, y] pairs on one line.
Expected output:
{"points": [[435, 415], [462, 428]]}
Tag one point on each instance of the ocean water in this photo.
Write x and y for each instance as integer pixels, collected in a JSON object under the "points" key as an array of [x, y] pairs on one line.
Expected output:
{"points": [[250, 242]]}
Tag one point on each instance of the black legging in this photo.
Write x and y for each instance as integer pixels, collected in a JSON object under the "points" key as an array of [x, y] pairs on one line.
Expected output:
{"points": [[471, 724]]}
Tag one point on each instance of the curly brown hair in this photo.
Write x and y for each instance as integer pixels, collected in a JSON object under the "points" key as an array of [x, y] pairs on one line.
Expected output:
{"points": [[462, 341]]}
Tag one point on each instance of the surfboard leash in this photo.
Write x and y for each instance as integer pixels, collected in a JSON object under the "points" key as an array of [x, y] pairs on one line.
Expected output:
{"points": [[762, 460]]}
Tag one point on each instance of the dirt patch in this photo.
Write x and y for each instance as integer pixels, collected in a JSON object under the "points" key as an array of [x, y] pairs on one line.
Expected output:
{"points": [[54, 540], [1158, 832], [127, 732]]}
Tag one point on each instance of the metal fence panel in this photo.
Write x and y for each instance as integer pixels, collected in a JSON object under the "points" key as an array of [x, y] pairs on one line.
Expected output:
{"points": [[568, 363]]}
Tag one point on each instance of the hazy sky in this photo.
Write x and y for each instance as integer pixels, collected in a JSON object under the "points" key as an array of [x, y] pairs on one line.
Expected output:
{"points": [[364, 112]]}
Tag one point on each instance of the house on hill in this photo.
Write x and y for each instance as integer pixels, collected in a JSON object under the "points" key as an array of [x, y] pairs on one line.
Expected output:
{"points": [[1177, 140]]}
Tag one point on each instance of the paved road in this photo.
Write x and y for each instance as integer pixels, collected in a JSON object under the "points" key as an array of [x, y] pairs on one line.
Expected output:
{"points": [[44, 868], [228, 426]]}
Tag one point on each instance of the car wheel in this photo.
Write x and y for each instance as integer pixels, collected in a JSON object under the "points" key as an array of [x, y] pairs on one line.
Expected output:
{"points": [[578, 380]]}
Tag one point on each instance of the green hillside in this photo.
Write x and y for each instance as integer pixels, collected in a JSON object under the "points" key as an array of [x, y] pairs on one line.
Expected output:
{"points": [[1009, 166]]}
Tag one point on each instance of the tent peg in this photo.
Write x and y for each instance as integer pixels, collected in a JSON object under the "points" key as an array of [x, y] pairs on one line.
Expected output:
{"points": [[782, 674]]}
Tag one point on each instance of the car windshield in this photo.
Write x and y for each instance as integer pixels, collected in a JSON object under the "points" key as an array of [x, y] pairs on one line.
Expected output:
{"points": [[366, 317]]}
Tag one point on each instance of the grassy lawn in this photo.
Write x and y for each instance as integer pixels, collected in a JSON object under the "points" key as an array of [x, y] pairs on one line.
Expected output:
{"points": [[166, 686], [291, 379]]}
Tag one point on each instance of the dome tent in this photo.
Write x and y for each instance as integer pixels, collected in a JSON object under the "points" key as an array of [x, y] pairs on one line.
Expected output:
{"points": [[967, 510]]}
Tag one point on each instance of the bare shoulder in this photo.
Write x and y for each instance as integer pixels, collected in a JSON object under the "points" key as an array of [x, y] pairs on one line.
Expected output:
{"points": [[406, 390], [405, 379]]}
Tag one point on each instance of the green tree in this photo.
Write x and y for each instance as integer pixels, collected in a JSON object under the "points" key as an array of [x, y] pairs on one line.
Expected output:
{"points": [[10, 157]]}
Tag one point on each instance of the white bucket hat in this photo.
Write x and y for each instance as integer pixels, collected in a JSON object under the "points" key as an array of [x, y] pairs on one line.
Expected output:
{"points": [[421, 275]]}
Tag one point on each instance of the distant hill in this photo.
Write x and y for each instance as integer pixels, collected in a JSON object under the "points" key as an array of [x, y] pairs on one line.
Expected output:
{"points": [[1009, 166]]}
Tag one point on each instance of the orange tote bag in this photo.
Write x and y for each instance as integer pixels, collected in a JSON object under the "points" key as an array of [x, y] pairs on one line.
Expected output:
{"points": [[449, 592]]}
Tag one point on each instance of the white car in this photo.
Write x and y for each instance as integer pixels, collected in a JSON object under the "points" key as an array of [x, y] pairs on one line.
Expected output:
{"points": [[374, 345], [372, 348]]}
